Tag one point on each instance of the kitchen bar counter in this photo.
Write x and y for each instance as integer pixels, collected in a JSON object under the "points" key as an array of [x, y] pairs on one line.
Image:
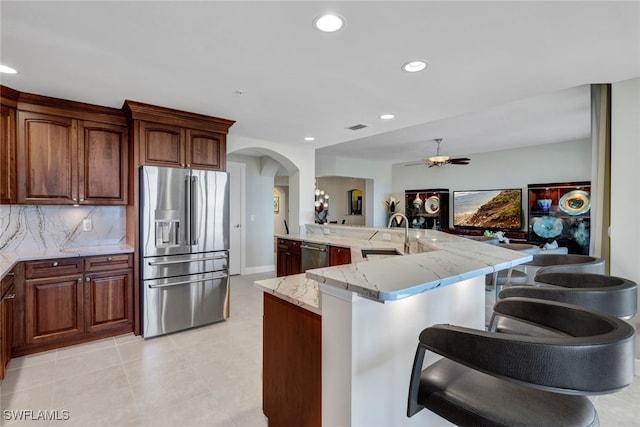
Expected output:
{"points": [[296, 289], [8, 260], [373, 310], [437, 259]]}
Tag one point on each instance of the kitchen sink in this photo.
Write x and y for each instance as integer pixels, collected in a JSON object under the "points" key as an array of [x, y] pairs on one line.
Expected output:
{"points": [[380, 252]]}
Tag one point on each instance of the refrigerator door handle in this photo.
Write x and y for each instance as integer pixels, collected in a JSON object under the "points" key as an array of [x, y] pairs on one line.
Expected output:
{"points": [[187, 282], [187, 203], [187, 260], [194, 210]]}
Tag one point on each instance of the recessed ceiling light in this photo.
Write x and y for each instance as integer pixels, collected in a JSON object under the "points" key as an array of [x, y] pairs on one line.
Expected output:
{"points": [[387, 116], [414, 66], [329, 22], [309, 138], [7, 70]]}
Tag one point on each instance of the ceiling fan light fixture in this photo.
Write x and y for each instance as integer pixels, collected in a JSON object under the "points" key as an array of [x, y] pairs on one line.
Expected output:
{"points": [[438, 159]]}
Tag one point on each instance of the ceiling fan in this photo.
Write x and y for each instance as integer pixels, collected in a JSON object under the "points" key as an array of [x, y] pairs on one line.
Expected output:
{"points": [[439, 160]]}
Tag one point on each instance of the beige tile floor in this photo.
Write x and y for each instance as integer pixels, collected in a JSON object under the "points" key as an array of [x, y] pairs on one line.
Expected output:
{"points": [[209, 376]]}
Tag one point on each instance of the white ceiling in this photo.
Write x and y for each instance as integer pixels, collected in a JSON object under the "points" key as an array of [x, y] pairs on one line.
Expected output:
{"points": [[501, 74]]}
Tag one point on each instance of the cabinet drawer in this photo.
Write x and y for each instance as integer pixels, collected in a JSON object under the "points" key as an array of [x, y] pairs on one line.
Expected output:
{"points": [[52, 267], [108, 262], [290, 245]]}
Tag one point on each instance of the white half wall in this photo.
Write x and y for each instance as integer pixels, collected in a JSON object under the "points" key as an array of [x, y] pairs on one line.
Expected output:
{"points": [[625, 188]]}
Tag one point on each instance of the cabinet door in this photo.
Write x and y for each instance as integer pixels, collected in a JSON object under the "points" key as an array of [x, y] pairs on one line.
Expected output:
{"points": [[103, 164], [206, 150], [339, 256], [47, 149], [53, 308], [108, 300], [7, 155], [6, 329], [162, 145]]}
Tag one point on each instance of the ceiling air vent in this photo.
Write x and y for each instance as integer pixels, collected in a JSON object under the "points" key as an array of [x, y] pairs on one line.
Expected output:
{"points": [[358, 127]]}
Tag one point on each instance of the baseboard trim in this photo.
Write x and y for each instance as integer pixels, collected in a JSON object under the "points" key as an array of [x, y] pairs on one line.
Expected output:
{"points": [[258, 269]]}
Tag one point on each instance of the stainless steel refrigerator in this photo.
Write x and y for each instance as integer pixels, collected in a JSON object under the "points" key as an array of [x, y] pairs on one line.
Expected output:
{"points": [[184, 240]]}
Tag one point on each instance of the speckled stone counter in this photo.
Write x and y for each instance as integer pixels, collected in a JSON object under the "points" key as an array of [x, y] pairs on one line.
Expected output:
{"points": [[436, 259], [296, 289]]}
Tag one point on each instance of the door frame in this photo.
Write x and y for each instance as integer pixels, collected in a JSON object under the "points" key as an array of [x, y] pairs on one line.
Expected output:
{"points": [[238, 171]]}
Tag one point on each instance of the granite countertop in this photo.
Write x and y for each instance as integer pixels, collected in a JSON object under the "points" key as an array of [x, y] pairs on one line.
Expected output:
{"points": [[296, 289], [436, 259], [8, 260]]}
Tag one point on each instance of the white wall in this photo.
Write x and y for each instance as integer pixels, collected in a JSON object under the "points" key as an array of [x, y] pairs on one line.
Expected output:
{"points": [[337, 188], [299, 162], [514, 168], [377, 174], [625, 188]]}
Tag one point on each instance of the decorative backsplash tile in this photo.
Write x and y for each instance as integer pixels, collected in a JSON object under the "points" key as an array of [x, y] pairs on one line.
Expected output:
{"points": [[27, 228]]}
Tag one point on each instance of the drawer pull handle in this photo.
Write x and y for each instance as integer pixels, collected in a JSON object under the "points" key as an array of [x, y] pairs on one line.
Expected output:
{"points": [[10, 296], [54, 263]]}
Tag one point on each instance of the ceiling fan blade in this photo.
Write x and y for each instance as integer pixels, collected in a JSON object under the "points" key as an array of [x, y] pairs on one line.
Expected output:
{"points": [[460, 161]]}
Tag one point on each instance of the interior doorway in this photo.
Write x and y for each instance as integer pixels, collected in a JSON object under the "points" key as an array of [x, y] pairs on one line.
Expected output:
{"points": [[237, 189]]}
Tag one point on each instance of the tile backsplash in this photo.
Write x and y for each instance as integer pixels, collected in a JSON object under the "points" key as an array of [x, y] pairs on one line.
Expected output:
{"points": [[28, 228]]}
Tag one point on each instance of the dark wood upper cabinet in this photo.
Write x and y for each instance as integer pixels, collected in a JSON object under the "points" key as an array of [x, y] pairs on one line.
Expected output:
{"points": [[175, 138], [162, 145], [104, 164], [8, 104], [206, 150], [70, 153], [47, 159]]}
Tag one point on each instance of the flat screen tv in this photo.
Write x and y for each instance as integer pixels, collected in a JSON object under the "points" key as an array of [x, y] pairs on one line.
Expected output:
{"points": [[488, 209]]}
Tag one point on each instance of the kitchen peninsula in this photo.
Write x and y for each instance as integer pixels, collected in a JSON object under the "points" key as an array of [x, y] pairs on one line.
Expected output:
{"points": [[368, 315]]}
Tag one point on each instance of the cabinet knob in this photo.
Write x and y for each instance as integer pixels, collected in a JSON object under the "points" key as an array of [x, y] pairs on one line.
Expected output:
{"points": [[109, 258], [188, 165], [74, 199], [82, 199], [54, 263], [88, 279], [79, 280]]}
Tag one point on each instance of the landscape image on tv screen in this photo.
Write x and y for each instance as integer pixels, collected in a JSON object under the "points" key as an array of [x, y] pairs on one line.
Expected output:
{"points": [[490, 209]]}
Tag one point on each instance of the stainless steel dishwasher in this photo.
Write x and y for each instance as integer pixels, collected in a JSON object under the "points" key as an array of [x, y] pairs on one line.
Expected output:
{"points": [[314, 255]]}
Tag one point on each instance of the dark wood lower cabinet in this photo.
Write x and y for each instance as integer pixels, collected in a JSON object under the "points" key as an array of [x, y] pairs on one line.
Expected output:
{"points": [[7, 296], [292, 365], [67, 301], [108, 300], [53, 308]]}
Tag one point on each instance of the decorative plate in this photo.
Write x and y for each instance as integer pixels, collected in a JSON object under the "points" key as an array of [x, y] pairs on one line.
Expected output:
{"points": [[548, 227], [432, 205], [575, 202]]}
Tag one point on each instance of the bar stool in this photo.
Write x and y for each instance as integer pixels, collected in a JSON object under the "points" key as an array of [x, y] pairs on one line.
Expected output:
{"points": [[570, 263], [613, 295], [492, 379]]}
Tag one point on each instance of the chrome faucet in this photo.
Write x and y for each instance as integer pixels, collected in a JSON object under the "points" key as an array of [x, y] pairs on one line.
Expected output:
{"points": [[407, 245]]}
